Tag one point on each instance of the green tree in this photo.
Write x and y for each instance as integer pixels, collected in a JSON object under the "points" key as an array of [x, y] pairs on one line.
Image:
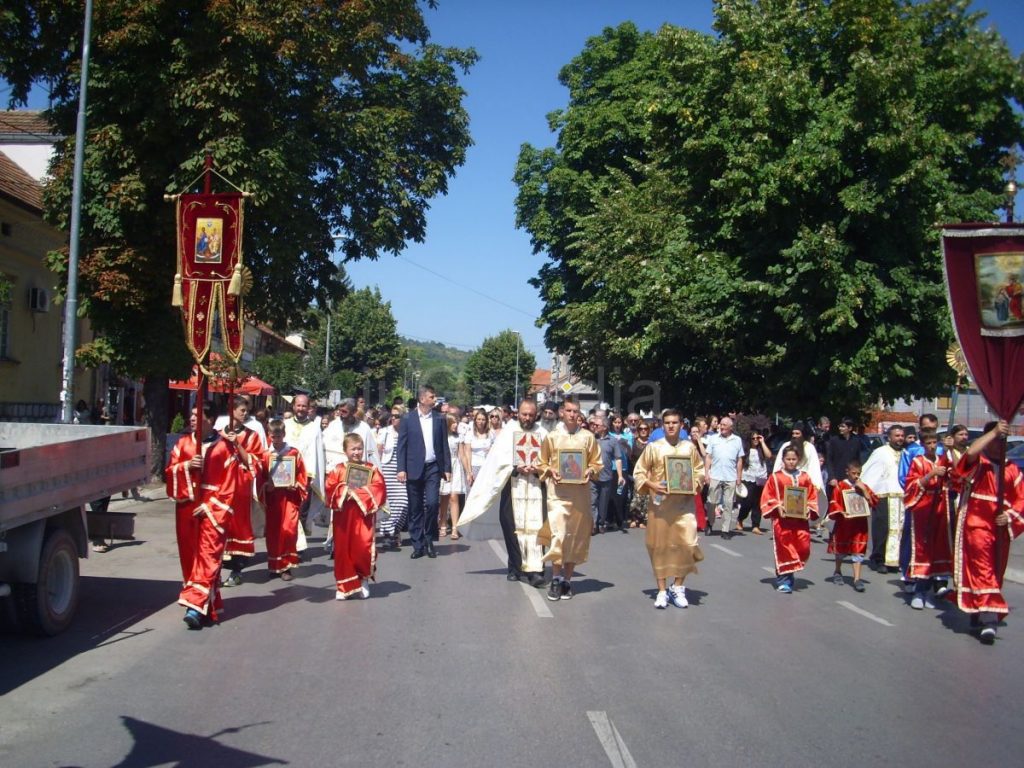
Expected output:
{"points": [[365, 353], [282, 371], [491, 371], [339, 118], [750, 218]]}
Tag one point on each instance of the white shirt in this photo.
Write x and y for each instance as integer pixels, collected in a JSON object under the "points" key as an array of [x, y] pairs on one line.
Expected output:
{"points": [[250, 422], [334, 442], [725, 452], [427, 428]]}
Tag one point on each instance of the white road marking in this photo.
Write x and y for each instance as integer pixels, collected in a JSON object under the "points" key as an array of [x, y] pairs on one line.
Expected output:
{"points": [[766, 568], [726, 550], [532, 594], [610, 739], [865, 614]]}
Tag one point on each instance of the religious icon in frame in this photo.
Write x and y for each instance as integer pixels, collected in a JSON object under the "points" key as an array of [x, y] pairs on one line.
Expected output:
{"points": [[794, 502], [856, 505], [357, 475], [679, 475], [571, 465], [282, 471], [209, 240]]}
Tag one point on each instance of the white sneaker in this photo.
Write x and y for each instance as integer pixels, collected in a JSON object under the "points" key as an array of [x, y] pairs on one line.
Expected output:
{"points": [[917, 603], [365, 591], [339, 595], [678, 597], [661, 601]]}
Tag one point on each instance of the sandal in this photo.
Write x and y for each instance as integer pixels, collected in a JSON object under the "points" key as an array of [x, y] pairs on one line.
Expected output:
{"points": [[456, 536]]}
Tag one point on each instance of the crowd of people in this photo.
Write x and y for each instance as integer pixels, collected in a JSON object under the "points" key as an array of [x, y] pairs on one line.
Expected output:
{"points": [[548, 477]]}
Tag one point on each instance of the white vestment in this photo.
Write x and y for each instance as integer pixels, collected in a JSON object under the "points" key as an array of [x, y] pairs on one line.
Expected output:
{"points": [[479, 520], [881, 473]]}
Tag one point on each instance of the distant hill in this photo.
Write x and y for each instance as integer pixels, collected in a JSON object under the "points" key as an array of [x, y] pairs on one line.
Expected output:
{"points": [[433, 354]]}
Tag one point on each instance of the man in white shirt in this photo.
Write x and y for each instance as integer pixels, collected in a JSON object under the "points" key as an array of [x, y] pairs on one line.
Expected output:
{"points": [[723, 464], [334, 436], [302, 432]]}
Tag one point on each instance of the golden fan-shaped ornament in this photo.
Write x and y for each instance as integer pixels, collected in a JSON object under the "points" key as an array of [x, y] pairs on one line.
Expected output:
{"points": [[247, 280], [956, 360]]}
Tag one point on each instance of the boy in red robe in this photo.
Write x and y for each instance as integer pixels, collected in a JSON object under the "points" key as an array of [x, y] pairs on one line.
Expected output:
{"points": [[983, 533], [353, 512], [792, 537], [850, 534], [223, 473], [929, 551], [182, 474], [282, 503], [241, 541]]}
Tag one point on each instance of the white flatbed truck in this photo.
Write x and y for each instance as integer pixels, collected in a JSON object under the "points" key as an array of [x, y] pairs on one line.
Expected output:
{"points": [[48, 473]]}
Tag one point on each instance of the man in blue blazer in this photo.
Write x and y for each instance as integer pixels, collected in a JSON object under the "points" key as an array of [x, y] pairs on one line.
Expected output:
{"points": [[423, 458]]}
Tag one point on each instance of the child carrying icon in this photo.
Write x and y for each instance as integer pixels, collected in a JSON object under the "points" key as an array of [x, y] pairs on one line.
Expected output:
{"points": [[282, 501], [790, 517], [353, 513], [850, 534]]}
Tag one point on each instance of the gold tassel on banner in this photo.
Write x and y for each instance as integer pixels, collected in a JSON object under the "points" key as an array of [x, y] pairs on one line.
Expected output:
{"points": [[235, 286], [176, 300]]}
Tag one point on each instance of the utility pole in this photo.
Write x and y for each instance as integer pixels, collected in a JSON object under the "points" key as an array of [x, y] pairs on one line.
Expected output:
{"points": [[67, 384]]}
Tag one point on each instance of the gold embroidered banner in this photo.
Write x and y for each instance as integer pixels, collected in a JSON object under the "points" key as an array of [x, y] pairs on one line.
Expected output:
{"points": [[208, 283]]}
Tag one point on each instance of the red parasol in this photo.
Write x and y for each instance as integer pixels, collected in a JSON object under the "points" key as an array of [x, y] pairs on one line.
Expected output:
{"points": [[251, 385]]}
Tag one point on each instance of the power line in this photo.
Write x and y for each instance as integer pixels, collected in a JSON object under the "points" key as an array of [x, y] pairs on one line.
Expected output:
{"points": [[468, 288]]}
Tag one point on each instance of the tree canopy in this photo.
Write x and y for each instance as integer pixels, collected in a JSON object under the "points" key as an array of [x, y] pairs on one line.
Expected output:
{"points": [[750, 218], [491, 372], [365, 353], [342, 119]]}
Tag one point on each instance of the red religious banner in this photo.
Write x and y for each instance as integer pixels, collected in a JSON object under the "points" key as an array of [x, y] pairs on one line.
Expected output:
{"points": [[984, 265], [208, 283]]}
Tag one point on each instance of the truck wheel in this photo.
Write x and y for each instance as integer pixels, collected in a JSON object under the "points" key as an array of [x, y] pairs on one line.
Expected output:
{"points": [[47, 607]]}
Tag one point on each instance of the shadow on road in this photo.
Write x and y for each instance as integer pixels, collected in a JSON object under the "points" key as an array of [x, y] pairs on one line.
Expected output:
{"points": [[106, 605], [155, 745]]}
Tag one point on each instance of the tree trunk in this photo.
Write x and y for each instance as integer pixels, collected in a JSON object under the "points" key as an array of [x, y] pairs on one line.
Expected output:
{"points": [[157, 397]]}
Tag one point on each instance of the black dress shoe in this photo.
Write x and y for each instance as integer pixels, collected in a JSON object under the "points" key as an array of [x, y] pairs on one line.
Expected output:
{"points": [[707, 530], [512, 576], [536, 579], [431, 552], [416, 554]]}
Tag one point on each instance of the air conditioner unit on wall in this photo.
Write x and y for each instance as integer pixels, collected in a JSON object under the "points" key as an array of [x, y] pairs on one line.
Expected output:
{"points": [[38, 300]]}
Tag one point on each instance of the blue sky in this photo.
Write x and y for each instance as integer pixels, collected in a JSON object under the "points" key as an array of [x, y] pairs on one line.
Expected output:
{"points": [[472, 246]]}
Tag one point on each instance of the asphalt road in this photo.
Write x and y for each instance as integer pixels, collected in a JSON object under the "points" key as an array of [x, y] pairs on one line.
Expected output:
{"points": [[448, 664]]}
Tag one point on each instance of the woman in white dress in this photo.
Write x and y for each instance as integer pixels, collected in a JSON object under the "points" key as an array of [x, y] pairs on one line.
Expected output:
{"points": [[450, 491], [476, 445]]}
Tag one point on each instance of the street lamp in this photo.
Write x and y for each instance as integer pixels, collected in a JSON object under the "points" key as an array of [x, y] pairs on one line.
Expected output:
{"points": [[1010, 190], [515, 395]]}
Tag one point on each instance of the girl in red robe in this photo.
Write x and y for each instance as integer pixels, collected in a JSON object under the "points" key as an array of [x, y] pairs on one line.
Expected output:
{"points": [[792, 537], [353, 512], [282, 504], [983, 533], [850, 534]]}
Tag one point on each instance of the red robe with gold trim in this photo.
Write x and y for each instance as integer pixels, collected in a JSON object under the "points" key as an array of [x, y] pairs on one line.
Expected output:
{"points": [[241, 540], [792, 536], [183, 488], [353, 513], [850, 534], [282, 507], [982, 548], [219, 486], [926, 502]]}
